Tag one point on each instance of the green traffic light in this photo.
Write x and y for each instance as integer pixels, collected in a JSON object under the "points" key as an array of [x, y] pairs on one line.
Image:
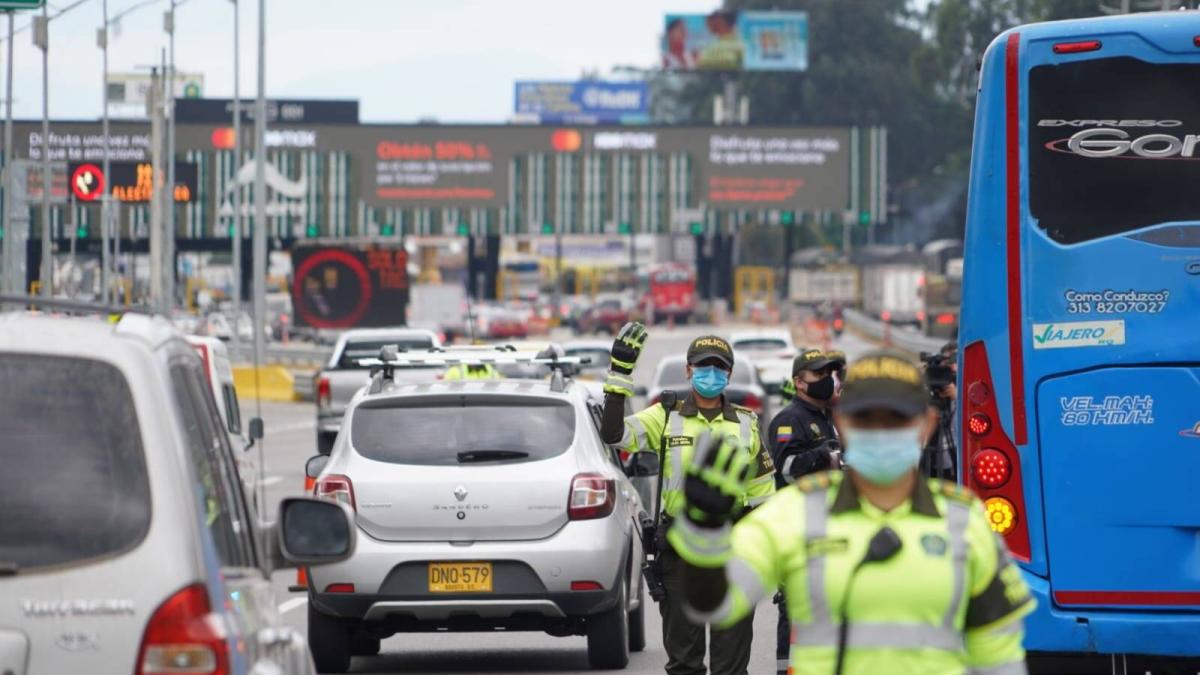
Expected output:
{"points": [[625, 228], [387, 230], [81, 232], [464, 229], [697, 228], [312, 231], [864, 218], [547, 228], [787, 218]]}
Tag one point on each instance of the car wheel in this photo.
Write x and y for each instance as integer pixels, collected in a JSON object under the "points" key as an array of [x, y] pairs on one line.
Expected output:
{"points": [[637, 623], [329, 641], [364, 645], [608, 634], [325, 443]]}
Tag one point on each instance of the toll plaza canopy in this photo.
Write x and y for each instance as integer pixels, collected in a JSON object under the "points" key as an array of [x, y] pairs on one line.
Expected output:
{"points": [[369, 179]]}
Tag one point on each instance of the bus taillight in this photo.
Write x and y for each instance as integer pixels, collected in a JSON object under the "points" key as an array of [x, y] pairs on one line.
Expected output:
{"points": [[990, 463]]}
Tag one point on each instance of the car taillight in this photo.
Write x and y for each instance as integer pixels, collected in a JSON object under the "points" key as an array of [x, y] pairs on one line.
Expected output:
{"points": [[337, 488], [184, 636], [990, 461], [1077, 47], [592, 496], [324, 393], [754, 403]]}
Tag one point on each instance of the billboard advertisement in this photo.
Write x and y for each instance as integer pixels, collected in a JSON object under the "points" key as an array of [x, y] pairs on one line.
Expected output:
{"points": [[436, 166], [349, 285], [582, 102], [794, 168], [736, 40]]}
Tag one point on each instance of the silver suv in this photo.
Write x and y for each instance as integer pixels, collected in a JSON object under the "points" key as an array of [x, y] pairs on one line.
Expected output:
{"points": [[483, 505], [126, 544]]}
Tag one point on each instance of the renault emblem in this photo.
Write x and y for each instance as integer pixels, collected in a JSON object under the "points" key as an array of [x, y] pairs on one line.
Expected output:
{"points": [[460, 493]]}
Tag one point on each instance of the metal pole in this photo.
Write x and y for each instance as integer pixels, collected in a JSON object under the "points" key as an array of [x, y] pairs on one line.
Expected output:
{"points": [[13, 284], [260, 188], [235, 232], [157, 300], [105, 206], [47, 275], [169, 240]]}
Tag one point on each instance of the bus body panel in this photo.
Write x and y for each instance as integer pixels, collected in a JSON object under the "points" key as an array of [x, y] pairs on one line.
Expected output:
{"points": [[1119, 522]]}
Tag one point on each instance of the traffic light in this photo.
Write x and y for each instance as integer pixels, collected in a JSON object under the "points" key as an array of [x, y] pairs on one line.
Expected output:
{"points": [[697, 229], [547, 228], [625, 228], [787, 218], [463, 229], [864, 217], [81, 231], [312, 230], [387, 229]]}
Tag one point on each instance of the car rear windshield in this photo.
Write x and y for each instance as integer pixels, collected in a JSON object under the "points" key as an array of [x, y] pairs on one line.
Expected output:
{"points": [[1114, 146], [437, 433], [76, 486], [369, 349], [760, 345]]}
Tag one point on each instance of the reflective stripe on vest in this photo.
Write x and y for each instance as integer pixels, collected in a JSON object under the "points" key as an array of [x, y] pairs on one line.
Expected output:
{"points": [[1014, 668], [675, 480], [823, 632], [745, 429]]}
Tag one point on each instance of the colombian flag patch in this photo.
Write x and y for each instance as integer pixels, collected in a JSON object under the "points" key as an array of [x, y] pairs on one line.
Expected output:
{"points": [[783, 434]]}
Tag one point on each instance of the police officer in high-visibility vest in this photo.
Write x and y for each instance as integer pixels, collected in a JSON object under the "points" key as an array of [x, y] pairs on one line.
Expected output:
{"points": [[463, 371], [884, 571], [705, 410]]}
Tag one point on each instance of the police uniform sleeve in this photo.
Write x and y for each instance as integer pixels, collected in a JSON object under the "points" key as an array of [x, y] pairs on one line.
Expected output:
{"points": [[762, 486], [643, 431], [755, 566], [795, 451], [999, 600]]}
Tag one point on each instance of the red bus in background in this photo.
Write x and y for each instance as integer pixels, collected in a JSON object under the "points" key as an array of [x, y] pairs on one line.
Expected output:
{"points": [[668, 292]]}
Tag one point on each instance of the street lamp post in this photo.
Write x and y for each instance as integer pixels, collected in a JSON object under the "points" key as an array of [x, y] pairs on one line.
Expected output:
{"points": [[13, 283], [260, 189], [235, 231], [169, 240], [41, 38], [105, 207]]}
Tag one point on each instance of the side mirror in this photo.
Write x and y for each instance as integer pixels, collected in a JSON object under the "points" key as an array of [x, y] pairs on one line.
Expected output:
{"points": [[644, 464], [311, 532], [315, 465], [254, 432]]}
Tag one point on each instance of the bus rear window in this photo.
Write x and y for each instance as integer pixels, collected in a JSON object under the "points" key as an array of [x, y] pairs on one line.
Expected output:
{"points": [[1114, 146]]}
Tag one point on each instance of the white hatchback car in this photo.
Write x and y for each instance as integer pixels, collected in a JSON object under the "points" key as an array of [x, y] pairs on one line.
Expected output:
{"points": [[483, 505]]}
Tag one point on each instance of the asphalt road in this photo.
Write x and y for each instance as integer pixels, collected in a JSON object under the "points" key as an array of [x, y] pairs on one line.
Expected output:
{"points": [[290, 440]]}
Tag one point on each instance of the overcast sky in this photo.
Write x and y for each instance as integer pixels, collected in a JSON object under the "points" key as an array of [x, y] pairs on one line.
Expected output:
{"points": [[454, 60]]}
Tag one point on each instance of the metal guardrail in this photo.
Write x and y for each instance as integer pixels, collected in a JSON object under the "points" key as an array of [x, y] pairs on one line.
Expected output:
{"points": [[903, 338], [285, 355]]}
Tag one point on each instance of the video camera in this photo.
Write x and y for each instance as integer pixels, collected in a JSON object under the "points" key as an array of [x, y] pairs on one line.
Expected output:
{"points": [[939, 370]]}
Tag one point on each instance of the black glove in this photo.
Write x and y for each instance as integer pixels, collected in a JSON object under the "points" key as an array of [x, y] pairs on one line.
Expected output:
{"points": [[717, 477], [628, 347]]}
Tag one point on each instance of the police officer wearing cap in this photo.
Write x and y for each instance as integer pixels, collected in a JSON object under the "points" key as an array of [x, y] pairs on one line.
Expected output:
{"points": [[885, 571], [800, 434], [674, 433]]}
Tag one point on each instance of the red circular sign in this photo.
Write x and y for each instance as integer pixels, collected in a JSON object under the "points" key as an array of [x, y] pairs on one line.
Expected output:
{"points": [[307, 308], [87, 183]]}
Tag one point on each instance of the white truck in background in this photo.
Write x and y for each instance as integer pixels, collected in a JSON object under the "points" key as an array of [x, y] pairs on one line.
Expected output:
{"points": [[815, 286], [892, 292], [441, 308]]}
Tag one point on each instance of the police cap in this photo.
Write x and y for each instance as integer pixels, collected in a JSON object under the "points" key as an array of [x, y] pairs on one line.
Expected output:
{"points": [[710, 347], [884, 380]]}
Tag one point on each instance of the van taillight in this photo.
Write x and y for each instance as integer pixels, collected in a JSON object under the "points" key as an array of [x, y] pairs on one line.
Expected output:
{"points": [[990, 463], [337, 488], [592, 496], [184, 636], [324, 393]]}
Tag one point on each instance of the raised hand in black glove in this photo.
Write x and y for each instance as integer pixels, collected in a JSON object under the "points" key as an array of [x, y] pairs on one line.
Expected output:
{"points": [[628, 347], [717, 477]]}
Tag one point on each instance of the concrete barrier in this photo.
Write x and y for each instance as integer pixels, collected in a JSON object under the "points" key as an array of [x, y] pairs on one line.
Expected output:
{"points": [[270, 383], [905, 339]]}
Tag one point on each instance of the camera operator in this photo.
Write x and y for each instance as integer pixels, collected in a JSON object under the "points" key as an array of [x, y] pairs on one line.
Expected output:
{"points": [[940, 458]]}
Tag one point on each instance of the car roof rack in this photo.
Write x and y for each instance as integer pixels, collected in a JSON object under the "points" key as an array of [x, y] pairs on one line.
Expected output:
{"points": [[71, 306], [392, 357]]}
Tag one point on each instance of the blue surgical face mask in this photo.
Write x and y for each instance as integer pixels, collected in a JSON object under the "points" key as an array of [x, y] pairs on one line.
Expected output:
{"points": [[883, 456], [709, 381]]}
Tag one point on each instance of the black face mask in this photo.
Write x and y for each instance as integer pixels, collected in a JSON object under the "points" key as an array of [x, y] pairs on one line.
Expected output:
{"points": [[822, 389]]}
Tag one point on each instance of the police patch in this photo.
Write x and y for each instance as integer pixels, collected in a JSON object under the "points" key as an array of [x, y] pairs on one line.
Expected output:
{"points": [[934, 545], [783, 434], [815, 429], [825, 546], [678, 441]]}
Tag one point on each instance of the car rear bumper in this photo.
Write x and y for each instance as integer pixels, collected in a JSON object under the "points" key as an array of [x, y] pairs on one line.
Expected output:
{"points": [[1054, 629], [531, 579]]}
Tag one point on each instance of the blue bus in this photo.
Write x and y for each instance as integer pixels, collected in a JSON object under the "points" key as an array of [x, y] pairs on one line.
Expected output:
{"points": [[1080, 327]]}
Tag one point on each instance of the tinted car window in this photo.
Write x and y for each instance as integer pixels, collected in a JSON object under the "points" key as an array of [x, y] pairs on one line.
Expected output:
{"points": [[369, 349], [231, 405], [76, 486], [433, 434], [760, 345], [1105, 160]]}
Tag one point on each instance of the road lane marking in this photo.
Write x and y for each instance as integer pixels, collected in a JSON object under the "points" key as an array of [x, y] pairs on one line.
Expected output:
{"points": [[294, 426], [292, 604]]}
